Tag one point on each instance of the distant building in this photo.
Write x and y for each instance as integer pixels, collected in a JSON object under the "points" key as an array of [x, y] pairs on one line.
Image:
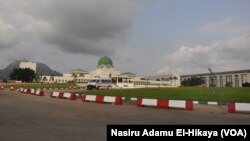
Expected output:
{"points": [[223, 79], [105, 69], [77, 75], [165, 79], [27, 64], [128, 74]]}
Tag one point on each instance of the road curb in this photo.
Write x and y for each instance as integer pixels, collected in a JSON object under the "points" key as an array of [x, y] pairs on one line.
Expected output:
{"points": [[210, 102]]}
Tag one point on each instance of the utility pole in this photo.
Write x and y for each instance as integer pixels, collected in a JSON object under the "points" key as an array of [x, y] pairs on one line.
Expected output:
{"points": [[169, 64], [212, 79]]}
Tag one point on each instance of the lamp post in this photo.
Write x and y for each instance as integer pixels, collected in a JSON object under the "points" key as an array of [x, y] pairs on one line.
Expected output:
{"points": [[212, 79]]}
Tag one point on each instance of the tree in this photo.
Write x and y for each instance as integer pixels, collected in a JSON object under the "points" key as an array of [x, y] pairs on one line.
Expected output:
{"points": [[74, 75], [44, 79], [81, 74], [193, 81], [246, 84], [24, 75], [51, 78]]}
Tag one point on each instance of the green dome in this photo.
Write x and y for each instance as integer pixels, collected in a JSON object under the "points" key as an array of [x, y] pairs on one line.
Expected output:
{"points": [[105, 61]]}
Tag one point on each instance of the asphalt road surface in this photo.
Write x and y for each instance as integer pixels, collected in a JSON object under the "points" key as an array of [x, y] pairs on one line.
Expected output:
{"points": [[33, 118]]}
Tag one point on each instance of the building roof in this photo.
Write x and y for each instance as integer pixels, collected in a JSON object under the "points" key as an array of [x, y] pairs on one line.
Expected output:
{"points": [[217, 73], [106, 61], [130, 74], [78, 71]]}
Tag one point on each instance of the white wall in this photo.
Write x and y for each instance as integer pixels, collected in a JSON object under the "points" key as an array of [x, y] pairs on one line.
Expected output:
{"points": [[29, 65]]}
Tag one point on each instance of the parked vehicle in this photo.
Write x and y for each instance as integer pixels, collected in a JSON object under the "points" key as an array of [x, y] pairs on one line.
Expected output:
{"points": [[99, 83]]}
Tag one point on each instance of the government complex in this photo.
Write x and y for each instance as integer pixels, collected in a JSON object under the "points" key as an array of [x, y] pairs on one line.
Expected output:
{"points": [[105, 69]]}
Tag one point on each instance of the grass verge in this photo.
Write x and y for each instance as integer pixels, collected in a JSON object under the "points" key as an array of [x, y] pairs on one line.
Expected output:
{"points": [[193, 93]]}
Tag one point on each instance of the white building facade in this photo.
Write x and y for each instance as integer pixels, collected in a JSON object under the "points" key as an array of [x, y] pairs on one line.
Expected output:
{"points": [[223, 79], [105, 69], [28, 64], [165, 79]]}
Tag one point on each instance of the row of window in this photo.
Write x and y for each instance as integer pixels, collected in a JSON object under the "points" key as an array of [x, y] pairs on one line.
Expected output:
{"points": [[229, 80]]}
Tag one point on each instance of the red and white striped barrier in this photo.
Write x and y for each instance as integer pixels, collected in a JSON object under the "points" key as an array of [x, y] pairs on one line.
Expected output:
{"points": [[28, 91], [56, 94], [93, 98], [25, 90], [21, 90], [111, 99], [39, 93], [164, 103], [32, 91], [69, 96], [238, 107], [117, 100], [186, 104]]}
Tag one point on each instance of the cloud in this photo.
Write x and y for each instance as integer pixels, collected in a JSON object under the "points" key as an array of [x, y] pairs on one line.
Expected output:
{"points": [[8, 35], [220, 56], [87, 27], [34, 28], [225, 27]]}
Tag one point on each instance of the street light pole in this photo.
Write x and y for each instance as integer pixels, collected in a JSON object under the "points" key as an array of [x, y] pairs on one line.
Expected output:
{"points": [[212, 79]]}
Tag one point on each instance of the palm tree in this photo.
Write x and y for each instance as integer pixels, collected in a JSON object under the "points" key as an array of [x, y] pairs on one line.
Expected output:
{"points": [[81, 74], [74, 77], [51, 79], [44, 79]]}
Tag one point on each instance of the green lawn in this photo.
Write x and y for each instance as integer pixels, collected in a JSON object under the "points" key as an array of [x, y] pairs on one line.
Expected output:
{"points": [[193, 93]]}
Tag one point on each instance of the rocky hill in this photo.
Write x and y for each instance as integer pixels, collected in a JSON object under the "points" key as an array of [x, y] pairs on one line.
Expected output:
{"points": [[40, 69]]}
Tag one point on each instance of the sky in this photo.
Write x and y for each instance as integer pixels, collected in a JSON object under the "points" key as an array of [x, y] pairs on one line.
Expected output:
{"points": [[146, 37]]}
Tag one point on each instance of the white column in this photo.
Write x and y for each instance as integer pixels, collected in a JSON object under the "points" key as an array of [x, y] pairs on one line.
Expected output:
{"points": [[240, 80], [233, 80]]}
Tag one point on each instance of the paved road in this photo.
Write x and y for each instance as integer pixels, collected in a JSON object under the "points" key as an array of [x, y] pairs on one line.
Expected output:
{"points": [[33, 118]]}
